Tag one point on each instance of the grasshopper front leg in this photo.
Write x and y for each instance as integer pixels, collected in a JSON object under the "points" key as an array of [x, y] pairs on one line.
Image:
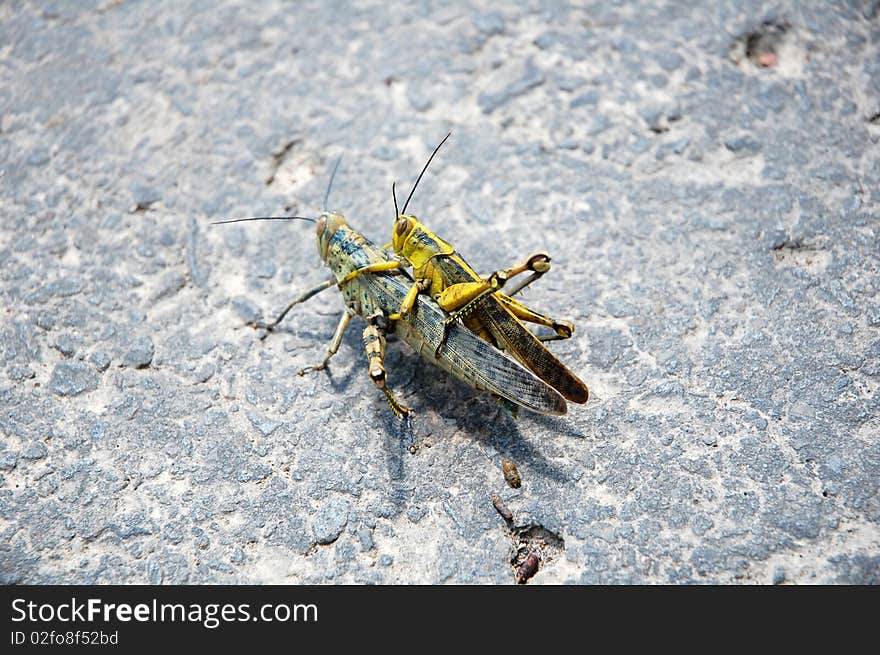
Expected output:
{"points": [[409, 300], [376, 267], [374, 343]]}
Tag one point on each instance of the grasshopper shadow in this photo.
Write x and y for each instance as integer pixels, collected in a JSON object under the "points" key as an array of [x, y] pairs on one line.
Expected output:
{"points": [[485, 420], [510, 443], [434, 390], [394, 440], [559, 425]]}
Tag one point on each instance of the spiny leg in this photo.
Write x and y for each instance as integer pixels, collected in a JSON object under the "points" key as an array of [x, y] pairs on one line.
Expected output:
{"points": [[374, 343], [464, 298], [563, 329], [539, 264], [308, 294], [334, 344], [460, 299], [405, 415]]}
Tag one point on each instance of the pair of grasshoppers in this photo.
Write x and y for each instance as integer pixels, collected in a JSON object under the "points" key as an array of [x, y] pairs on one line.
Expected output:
{"points": [[445, 311]]}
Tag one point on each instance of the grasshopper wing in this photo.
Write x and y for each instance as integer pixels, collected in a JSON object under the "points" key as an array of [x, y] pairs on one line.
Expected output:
{"points": [[467, 356], [516, 338]]}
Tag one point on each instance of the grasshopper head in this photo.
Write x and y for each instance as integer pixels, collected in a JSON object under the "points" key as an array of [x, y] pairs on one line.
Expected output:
{"points": [[403, 227], [328, 223]]}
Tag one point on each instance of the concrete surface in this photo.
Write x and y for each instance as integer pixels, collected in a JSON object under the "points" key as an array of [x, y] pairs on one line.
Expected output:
{"points": [[705, 176]]}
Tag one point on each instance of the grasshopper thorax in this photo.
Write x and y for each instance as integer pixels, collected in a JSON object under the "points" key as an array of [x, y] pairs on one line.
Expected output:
{"points": [[415, 243]]}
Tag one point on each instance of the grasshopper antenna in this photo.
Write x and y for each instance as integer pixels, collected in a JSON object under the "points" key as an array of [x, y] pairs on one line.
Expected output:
{"points": [[267, 218], [419, 178], [330, 183], [394, 195]]}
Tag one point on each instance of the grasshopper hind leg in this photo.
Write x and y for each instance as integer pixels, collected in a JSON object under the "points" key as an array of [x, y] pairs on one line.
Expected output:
{"points": [[462, 299], [539, 264], [562, 329], [405, 416], [374, 343]]}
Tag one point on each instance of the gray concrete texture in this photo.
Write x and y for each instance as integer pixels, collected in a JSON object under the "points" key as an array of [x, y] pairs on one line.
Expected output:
{"points": [[705, 176]]}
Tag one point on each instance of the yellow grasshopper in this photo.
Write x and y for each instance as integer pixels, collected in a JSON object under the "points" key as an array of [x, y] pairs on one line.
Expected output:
{"points": [[442, 273], [374, 286]]}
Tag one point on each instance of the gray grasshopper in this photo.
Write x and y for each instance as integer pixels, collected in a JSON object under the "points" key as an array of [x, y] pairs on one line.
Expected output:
{"points": [[374, 286]]}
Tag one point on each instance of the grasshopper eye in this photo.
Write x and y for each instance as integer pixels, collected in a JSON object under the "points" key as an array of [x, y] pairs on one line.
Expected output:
{"points": [[401, 227]]}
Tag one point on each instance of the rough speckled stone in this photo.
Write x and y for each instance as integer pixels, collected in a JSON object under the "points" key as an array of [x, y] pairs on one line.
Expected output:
{"points": [[36, 450], [330, 521], [8, 461], [100, 359], [265, 425], [71, 378], [713, 225], [139, 353], [489, 23]]}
